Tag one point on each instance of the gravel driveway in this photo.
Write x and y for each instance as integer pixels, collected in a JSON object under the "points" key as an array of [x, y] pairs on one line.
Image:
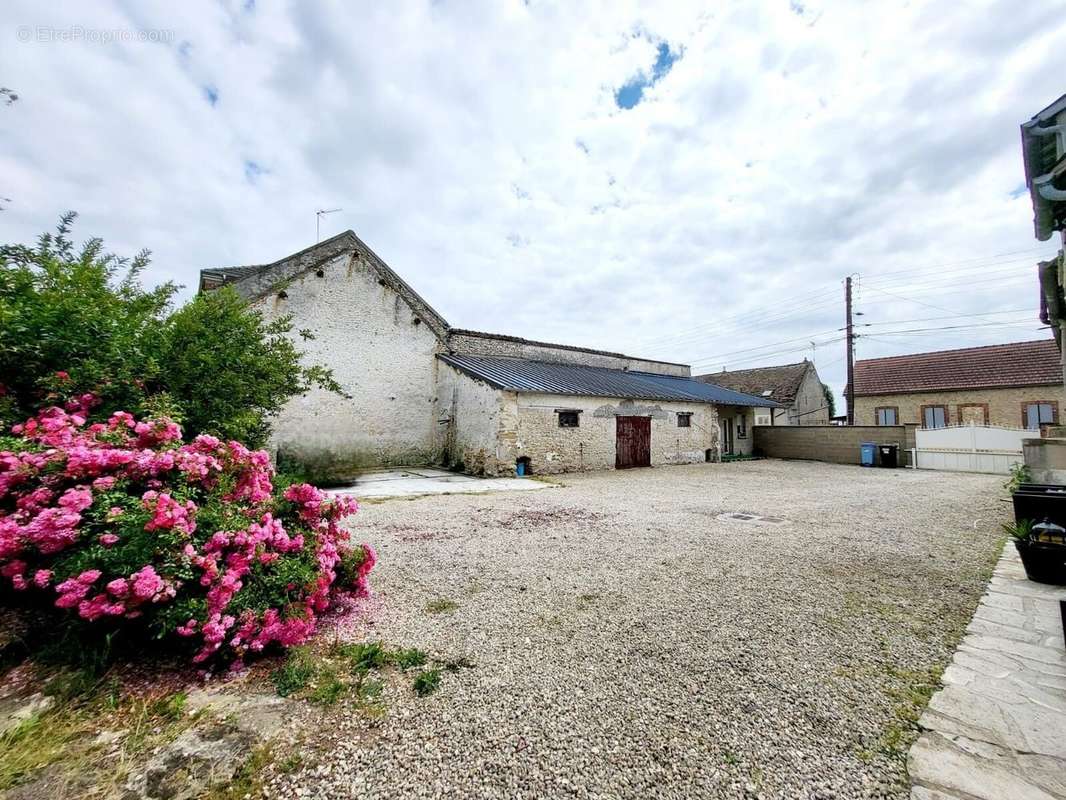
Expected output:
{"points": [[627, 642]]}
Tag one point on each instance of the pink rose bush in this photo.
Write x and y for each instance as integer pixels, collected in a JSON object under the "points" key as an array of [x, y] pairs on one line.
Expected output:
{"points": [[120, 521]]}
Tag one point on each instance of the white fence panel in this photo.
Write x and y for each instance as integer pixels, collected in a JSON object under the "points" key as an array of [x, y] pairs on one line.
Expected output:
{"points": [[969, 448], [971, 437]]}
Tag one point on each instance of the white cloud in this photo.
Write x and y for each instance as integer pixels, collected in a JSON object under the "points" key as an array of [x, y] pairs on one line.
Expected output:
{"points": [[480, 151]]}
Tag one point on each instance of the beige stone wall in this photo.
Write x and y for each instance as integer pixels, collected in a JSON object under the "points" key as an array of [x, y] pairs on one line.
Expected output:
{"points": [[832, 443], [529, 426], [470, 424], [381, 353], [1004, 405]]}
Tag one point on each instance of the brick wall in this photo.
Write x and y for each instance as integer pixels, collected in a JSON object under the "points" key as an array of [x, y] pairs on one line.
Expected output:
{"points": [[833, 443], [1004, 406]]}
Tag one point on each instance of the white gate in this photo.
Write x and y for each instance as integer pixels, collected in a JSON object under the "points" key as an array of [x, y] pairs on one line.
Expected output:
{"points": [[969, 448]]}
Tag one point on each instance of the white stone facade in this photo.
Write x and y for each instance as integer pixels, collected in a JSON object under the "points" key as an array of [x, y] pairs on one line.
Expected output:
{"points": [[383, 356], [407, 407]]}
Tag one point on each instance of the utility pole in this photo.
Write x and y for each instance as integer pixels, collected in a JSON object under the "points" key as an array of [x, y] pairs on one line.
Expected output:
{"points": [[850, 389]]}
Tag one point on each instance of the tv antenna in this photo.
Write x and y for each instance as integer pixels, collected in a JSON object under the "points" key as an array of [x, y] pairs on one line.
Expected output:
{"points": [[318, 220]]}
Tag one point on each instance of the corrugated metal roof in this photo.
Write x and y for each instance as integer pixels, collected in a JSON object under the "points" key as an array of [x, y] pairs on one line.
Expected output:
{"points": [[542, 377]]}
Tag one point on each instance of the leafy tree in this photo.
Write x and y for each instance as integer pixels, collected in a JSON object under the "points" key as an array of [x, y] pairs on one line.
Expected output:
{"points": [[75, 321], [830, 400], [228, 370]]}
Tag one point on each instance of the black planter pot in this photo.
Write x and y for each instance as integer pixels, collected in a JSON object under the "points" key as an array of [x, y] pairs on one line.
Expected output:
{"points": [[1044, 562]]}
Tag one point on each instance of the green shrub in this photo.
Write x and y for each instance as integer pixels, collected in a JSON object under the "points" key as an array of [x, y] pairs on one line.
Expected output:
{"points": [[76, 321]]}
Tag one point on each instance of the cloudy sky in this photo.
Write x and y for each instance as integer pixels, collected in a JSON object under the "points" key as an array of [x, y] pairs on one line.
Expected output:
{"points": [[691, 182]]}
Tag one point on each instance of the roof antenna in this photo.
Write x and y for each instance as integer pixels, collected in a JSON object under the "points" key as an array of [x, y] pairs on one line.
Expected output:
{"points": [[318, 220]]}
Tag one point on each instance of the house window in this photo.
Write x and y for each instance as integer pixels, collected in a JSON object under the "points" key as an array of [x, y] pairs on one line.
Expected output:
{"points": [[684, 419], [569, 419], [888, 416], [742, 427], [1040, 413], [934, 416]]}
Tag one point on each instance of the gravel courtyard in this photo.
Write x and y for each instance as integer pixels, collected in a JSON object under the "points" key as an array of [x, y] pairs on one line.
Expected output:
{"points": [[626, 642]]}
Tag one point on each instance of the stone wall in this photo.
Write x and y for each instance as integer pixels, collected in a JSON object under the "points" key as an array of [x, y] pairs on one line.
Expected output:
{"points": [[531, 428], [1004, 406], [833, 443], [471, 422], [475, 343], [382, 353], [809, 407]]}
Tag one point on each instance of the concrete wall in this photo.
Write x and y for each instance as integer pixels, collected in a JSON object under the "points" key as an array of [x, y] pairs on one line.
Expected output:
{"points": [[487, 344], [381, 353], [1046, 459], [836, 444], [1004, 405]]}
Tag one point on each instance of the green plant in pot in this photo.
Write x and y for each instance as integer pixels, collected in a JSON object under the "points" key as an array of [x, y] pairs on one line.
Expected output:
{"points": [[1042, 548]]}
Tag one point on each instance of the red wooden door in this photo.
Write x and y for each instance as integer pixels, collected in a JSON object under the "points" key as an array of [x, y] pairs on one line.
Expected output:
{"points": [[633, 442]]}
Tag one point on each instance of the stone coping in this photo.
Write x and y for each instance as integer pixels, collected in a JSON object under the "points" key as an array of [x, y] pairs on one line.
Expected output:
{"points": [[997, 728]]}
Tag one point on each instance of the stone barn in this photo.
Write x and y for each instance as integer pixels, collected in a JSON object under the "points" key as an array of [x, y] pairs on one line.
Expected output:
{"points": [[424, 393]]}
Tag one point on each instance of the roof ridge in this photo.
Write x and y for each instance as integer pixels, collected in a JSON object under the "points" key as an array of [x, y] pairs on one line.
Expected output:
{"points": [[510, 338]]}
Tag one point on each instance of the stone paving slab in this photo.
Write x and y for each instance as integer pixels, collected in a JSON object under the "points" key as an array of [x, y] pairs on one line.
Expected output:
{"points": [[997, 728], [414, 481]]}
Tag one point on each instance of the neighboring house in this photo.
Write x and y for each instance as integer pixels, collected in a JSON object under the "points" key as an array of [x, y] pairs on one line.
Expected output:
{"points": [[422, 392], [796, 387], [1015, 385]]}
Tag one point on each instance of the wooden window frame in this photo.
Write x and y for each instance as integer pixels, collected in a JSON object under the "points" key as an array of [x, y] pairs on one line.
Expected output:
{"points": [[982, 406], [684, 419], [877, 416], [947, 415], [569, 413], [1054, 412]]}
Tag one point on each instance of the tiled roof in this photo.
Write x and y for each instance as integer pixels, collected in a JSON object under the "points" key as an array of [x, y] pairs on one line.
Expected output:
{"points": [[542, 377], [994, 366], [782, 381]]}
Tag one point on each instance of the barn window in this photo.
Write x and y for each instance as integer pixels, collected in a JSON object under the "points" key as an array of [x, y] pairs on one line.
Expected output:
{"points": [[684, 419], [569, 419]]}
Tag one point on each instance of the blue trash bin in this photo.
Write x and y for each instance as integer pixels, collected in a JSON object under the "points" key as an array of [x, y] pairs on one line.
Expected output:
{"points": [[869, 454]]}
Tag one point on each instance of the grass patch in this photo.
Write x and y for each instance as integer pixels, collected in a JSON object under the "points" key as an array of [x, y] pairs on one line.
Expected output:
{"points": [[64, 737], [294, 675], [441, 606], [426, 682], [329, 688], [411, 657]]}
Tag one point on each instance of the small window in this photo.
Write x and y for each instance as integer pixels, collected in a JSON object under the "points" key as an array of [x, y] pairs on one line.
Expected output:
{"points": [[935, 417], [684, 419], [888, 416], [569, 419], [1037, 414], [742, 427]]}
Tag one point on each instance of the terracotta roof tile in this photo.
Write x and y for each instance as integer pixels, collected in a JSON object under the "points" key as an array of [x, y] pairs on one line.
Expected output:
{"points": [[993, 366], [782, 381]]}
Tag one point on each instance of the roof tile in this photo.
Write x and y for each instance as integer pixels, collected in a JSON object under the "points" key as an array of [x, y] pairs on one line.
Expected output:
{"points": [[993, 366]]}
